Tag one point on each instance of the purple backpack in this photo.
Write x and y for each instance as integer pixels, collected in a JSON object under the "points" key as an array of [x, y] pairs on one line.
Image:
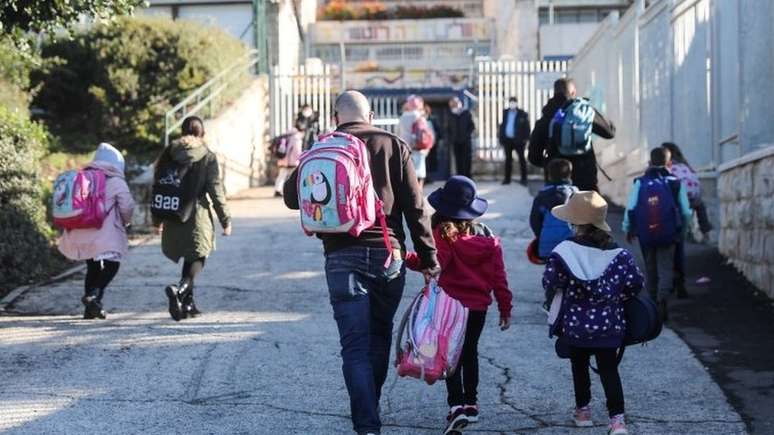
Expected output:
{"points": [[656, 216]]}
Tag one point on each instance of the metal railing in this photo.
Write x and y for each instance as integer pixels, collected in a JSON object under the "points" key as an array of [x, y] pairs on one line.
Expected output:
{"points": [[206, 94]]}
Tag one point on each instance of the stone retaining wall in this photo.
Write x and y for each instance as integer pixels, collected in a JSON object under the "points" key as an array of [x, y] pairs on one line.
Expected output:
{"points": [[746, 193]]}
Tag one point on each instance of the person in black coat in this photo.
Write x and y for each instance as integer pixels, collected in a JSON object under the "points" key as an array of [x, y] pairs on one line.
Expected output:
{"points": [[513, 135], [541, 151], [458, 133]]}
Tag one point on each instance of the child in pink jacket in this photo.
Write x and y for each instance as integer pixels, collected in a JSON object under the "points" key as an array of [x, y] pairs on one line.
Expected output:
{"points": [[472, 270], [102, 248]]}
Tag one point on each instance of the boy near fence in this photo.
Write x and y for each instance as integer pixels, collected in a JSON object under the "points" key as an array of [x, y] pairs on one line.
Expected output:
{"points": [[656, 214]]}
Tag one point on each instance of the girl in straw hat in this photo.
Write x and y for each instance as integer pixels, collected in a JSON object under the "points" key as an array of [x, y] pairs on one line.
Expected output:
{"points": [[591, 277]]}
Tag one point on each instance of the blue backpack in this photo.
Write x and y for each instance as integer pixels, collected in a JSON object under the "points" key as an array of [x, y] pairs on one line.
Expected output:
{"points": [[570, 128], [656, 216], [554, 230]]}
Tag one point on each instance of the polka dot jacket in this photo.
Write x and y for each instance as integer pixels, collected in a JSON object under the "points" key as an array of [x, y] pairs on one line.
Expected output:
{"points": [[594, 283]]}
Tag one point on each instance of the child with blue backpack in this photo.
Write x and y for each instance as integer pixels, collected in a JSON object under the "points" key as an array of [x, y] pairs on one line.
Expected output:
{"points": [[550, 231], [472, 270], [656, 214], [591, 277]]}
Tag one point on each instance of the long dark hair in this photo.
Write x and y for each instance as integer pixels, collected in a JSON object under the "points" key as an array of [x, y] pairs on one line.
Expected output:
{"points": [[192, 126], [450, 228], [593, 236], [677, 154]]}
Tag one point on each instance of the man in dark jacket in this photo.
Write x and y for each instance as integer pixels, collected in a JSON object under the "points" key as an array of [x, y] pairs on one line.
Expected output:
{"points": [[542, 151], [513, 135], [459, 130], [365, 295]]}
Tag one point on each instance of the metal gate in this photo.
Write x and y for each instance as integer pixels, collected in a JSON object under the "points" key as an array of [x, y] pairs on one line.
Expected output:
{"points": [[305, 85], [302, 85], [530, 82]]}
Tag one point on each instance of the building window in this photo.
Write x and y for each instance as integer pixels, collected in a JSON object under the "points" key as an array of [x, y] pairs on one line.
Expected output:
{"points": [[389, 53], [574, 15], [413, 52], [355, 54], [328, 53]]}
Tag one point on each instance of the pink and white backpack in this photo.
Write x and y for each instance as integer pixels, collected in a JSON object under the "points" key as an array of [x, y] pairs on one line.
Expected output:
{"points": [[335, 189], [689, 179], [434, 329], [79, 199]]}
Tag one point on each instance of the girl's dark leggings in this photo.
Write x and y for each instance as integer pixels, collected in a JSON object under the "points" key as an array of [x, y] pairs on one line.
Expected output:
{"points": [[190, 270], [99, 274], [462, 386], [608, 373]]}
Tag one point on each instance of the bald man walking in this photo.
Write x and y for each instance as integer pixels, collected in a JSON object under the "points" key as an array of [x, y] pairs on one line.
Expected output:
{"points": [[365, 295]]}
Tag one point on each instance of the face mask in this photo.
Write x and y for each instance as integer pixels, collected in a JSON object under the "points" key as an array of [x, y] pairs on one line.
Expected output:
{"points": [[456, 110]]}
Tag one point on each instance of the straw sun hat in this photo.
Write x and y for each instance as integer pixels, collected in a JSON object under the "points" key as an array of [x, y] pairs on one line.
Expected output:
{"points": [[584, 208]]}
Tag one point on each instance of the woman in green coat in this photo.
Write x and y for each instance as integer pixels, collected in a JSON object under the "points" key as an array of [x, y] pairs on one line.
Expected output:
{"points": [[194, 239]]}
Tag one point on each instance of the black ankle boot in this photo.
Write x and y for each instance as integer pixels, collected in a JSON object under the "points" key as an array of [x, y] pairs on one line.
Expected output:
{"points": [[93, 305], [174, 293], [189, 306]]}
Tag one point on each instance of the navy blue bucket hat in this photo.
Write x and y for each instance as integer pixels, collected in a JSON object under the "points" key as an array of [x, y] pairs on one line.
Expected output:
{"points": [[457, 199]]}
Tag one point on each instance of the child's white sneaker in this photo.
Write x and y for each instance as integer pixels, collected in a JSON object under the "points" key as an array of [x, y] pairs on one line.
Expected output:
{"points": [[617, 425], [582, 417]]}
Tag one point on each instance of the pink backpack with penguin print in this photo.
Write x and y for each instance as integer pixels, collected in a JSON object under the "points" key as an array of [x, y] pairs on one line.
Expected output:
{"points": [[335, 189]]}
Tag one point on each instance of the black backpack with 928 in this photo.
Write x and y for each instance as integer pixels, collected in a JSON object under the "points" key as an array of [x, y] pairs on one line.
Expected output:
{"points": [[177, 188]]}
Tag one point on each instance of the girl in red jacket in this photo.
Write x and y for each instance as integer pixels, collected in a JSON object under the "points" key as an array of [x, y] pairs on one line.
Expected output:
{"points": [[472, 269]]}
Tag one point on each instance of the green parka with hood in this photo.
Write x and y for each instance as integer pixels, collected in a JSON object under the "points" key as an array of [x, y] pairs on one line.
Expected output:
{"points": [[195, 238]]}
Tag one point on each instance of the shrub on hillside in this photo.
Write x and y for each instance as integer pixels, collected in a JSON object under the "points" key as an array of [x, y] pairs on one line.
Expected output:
{"points": [[15, 67], [25, 251], [116, 81]]}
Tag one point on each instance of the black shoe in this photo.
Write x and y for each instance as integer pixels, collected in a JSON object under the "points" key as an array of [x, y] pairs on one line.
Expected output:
{"points": [[457, 420], [93, 305], [277, 195], [506, 182], [523, 182], [189, 307], [175, 306], [662, 308]]}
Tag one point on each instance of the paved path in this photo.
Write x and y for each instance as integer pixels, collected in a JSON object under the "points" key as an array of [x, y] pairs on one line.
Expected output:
{"points": [[264, 358]]}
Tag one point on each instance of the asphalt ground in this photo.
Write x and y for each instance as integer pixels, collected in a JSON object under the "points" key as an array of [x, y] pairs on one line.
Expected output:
{"points": [[264, 358]]}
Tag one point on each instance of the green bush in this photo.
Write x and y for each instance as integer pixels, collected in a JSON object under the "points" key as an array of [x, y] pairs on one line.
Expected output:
{"points": [[25, 251], [116, 81]]}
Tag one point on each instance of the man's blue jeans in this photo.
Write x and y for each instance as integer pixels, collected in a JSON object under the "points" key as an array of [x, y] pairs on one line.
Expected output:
{"points": [[365, 298]]}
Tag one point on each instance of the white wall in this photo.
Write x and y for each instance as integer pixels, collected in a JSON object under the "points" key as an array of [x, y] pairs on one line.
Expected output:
{"points": [[237, 136], [232, 18], [516, 28], [564, 39]]}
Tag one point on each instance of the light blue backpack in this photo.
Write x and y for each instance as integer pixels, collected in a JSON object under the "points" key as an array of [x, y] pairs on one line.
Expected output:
{"points": [[570, 128]]}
